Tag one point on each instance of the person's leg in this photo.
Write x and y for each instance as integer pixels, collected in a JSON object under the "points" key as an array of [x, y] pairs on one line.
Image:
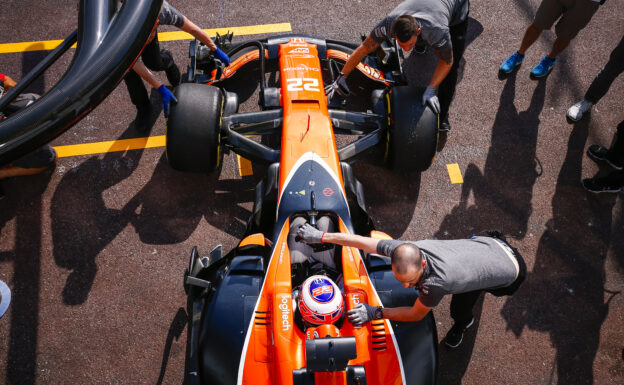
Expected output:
{"points": [[461, 312], [530, 36], [461, 306], [558, 46], [446, 91], [606, 76], [616, 152], [139, 97], [157, 59]]}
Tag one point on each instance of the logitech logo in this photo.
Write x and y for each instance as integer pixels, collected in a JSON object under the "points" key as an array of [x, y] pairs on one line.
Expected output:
{"points": [[283, 306]]}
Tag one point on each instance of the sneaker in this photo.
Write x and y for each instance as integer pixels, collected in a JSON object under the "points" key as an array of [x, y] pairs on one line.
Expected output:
{"points": [[600, 154], [445, 125], [455, 336], [601, 185], [143, 118], [33, 163], [575, 113], [544, 67], [510, 64]]}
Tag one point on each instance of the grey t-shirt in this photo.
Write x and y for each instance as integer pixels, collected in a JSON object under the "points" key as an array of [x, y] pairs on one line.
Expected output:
{"points": [[460, 266], [170, 16], [434, 16]]}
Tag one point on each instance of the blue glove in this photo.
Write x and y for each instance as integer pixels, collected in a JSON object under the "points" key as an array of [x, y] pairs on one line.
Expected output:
{"points": [[221, 56], [430, 98], [166, 97]]}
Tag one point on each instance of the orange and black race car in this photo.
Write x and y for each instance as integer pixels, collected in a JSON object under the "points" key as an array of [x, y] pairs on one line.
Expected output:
{"points": [[271, 311]]}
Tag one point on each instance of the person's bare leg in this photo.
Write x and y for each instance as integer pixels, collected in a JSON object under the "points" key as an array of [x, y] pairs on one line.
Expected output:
{"points": [[531, 34], [558, 47]]}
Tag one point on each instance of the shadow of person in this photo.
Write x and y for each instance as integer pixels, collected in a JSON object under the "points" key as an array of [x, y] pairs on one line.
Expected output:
{"points": [[497, 205], [175, 331], [189, 197], [82, 224], [22, 206], [564, 294]]}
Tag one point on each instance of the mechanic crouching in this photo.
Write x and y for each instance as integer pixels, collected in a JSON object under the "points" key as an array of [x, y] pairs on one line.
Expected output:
{"points": [[463, 268], [439, 24]]}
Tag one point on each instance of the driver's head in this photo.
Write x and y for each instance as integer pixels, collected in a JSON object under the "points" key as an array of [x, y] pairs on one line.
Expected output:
{"points": [[407, 264], [320, 301], [406, 30]]}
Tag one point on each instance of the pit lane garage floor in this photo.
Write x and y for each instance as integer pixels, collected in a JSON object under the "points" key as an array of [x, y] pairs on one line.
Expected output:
{"points": [[94, 250]]}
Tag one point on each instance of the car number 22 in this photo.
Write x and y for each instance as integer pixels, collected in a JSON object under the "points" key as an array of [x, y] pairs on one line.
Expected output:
{"points": [[301, 84]]}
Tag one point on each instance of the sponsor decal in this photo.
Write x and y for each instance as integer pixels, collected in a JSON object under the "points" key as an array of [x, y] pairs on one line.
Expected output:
{"points": [[299, 50], [328, 191], [302, 56], [285, 309], [299, 40], [301, 67]]}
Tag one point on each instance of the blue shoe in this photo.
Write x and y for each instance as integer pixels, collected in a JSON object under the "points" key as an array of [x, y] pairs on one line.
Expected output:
{"points": [[511, 63], [544, 67]]}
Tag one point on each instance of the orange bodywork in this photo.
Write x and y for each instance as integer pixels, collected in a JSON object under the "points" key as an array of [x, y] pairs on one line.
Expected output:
{"points": [[274, 345]]}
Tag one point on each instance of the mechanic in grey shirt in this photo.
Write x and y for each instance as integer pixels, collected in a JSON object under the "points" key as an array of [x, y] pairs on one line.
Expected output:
{"points": [[463, 268], [441, 24], [156, 59]]}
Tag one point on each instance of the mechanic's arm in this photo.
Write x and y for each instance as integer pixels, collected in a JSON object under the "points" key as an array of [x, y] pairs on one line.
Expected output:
{"points": [[146, 74], [368, 46], [9, 82], [445, 62], [366, 244], [406, 313], [198, 33]]}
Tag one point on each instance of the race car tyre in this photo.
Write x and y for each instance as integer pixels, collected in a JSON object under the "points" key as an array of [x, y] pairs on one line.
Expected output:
{"points": [[413, 134], [193, 132]]}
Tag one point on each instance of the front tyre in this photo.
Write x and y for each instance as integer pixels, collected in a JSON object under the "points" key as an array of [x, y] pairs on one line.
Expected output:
{"points": [[193, 132], [413, 133]]}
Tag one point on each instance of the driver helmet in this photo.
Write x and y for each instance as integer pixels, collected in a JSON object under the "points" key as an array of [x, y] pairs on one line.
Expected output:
{"points": [[320, 301]]}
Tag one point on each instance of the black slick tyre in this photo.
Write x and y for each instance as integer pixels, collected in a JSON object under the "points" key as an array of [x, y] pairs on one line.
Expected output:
{"points": [[413, 133], [193, 132]]}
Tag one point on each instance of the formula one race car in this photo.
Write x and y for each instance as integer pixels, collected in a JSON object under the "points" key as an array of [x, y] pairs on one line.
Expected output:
{"points": [[272, 310]]}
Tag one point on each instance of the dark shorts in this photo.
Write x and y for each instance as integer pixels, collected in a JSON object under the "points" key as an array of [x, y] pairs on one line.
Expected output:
{"points": [[573, 16], [511, 289]]}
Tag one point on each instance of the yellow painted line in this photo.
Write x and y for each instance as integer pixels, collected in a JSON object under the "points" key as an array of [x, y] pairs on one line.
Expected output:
{"points": [[110, 146], [244, 166], [454, 173], [162, 36]]}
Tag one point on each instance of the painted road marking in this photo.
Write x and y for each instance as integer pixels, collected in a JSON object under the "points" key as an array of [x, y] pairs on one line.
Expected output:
{"points": [[162, 36], [454, 173], [110, 146], [244, 166]]}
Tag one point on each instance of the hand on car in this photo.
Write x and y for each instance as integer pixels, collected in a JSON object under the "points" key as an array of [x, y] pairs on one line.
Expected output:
{"points": [[309, 234], [339, 86], [167, 97], [362, 314], [225, 59], [430, 98]]}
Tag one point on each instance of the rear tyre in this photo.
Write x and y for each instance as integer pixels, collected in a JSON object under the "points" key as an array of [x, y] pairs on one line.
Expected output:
{"points": [[413, 134], [193, 132]]}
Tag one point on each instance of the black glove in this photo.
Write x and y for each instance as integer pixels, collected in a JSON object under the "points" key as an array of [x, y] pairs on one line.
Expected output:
{"points": [[339, 86], [364, 313]]}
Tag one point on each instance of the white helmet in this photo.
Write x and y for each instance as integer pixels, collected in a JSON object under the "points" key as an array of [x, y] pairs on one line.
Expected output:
{"points": [[320, 301]]}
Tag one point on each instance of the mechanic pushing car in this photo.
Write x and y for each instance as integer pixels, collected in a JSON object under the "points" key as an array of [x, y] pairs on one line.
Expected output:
{"points": [[464, 268], [441, 24], [155, 59]]}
